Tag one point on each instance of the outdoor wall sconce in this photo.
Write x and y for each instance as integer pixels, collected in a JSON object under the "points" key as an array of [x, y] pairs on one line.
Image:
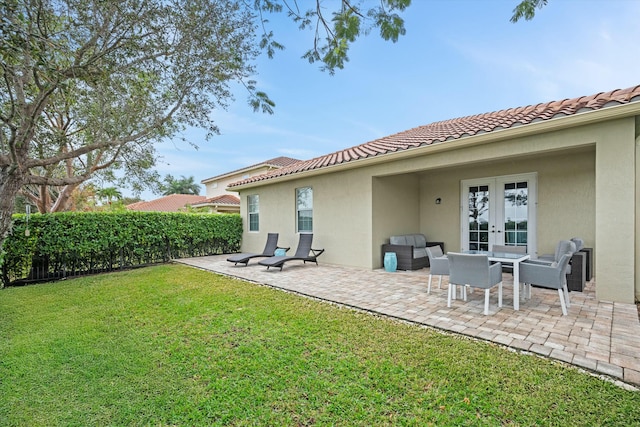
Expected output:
{"points": [[438, 201]]}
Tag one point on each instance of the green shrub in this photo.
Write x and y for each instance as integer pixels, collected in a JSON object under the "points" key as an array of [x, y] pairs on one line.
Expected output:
{"points": [[72, 243]]}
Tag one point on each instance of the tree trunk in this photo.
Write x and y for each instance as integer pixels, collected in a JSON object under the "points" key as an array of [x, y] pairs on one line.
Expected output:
{"points": [[44, 201], [10, 184], [64, 198]]}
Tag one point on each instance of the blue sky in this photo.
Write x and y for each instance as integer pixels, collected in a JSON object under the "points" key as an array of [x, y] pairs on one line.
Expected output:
{"points": [[458, 57]]}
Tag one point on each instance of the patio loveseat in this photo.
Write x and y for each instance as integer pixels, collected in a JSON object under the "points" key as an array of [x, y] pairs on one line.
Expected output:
{"points": [[410, 250]]}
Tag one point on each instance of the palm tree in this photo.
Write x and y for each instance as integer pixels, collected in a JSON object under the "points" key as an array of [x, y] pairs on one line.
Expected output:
{"points": [[109, 194], [182, 185]]}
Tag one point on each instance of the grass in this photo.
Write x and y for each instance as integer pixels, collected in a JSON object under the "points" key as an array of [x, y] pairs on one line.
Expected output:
{"points": [[172, 345]]}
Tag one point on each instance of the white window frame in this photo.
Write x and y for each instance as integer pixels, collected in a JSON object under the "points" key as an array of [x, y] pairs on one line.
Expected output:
{"points": [[308, 209], [253, 210]]}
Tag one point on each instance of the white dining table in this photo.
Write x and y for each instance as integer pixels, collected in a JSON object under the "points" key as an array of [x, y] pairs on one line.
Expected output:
{"points": [[507, 258]]}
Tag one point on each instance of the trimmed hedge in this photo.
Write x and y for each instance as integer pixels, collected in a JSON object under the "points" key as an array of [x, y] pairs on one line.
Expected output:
{"points": [[74, 243]]}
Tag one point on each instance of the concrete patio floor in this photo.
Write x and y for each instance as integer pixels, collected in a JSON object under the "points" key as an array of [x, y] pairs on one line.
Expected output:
{"points": [[601, 337]]}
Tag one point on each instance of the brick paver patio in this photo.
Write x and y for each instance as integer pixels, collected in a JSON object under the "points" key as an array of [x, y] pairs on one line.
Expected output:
{"points": [[601, 337]]}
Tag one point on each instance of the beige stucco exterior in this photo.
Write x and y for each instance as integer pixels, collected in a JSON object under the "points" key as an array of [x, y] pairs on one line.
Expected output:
{"points": [[587, 186], [217, 186], [637, 211]]}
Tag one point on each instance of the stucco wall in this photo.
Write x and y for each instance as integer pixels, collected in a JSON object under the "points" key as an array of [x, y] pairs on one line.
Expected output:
{"points": [[637, 210], [341, 217], [615, 211], [396, 210], [566, 197], [218, 187], [441, 223]]}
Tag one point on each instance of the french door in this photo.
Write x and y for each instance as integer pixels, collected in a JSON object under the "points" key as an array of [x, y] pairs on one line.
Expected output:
{"points": [[499, 211]]}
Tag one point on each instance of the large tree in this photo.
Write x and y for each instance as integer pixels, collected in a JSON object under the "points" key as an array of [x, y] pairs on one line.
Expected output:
{"points": [[182, 185], [527, 9], [109, 194], [89, 85]]}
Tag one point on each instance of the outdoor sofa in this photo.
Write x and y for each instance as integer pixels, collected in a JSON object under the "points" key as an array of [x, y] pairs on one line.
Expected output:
{"points": [[410, 250]]}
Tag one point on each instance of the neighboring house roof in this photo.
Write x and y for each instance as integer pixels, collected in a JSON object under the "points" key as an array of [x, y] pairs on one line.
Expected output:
{"points": [[278, 162], [455, 129], [170, 203], [223, 200]]}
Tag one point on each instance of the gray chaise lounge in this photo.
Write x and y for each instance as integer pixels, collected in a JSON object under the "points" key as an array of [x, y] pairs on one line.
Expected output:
{"points": [[303, 253], [269, 251]]}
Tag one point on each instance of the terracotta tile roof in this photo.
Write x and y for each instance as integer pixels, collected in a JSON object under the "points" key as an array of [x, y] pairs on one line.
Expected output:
{"points": [[225, 199], [170, 203], [134, 206], [281, 161], [454, 129], [278, 162]]}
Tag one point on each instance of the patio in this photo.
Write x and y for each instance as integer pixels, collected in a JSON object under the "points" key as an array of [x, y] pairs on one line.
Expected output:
{"points": [[600, 337]]}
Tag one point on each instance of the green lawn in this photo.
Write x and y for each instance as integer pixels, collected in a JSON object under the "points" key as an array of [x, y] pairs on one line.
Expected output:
{"points": [[172, 345]]}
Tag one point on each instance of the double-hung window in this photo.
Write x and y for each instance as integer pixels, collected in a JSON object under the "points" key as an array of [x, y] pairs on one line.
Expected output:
{"points": [[253, 203], [304, 210]]}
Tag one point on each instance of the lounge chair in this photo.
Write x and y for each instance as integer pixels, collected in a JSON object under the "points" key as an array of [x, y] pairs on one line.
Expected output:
{"points": [[303, 253], [269, 251]]}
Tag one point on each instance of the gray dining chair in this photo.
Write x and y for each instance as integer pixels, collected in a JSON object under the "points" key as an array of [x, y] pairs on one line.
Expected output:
{"points": [[551, 276], [438, 265], [562, 248], [476, 271], [579, 242]]}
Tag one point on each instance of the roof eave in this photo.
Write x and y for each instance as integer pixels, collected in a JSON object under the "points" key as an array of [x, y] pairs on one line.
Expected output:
{"points": [[199, 205], [269, 166], [553, 124], [226, 175]]}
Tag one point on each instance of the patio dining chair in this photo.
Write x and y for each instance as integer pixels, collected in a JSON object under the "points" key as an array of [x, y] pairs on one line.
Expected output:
{"points": [[563, 247], [476, 271], [551, 276], [438, 265], [579, 242]]}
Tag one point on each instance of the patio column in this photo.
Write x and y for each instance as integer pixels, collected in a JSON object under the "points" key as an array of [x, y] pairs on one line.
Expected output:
{"points": [[616, 182], [637, 212]]}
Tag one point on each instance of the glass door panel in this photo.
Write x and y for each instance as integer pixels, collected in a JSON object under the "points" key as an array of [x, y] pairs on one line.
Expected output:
{"points": [[478, 197], [515, 213], [499, 211]]}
